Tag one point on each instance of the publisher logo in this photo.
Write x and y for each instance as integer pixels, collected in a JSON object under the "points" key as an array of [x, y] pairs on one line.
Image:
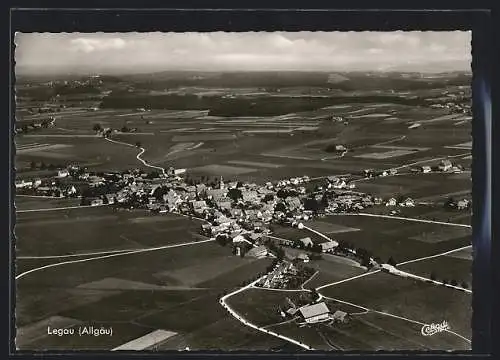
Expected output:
{"points": [[431, 329]]}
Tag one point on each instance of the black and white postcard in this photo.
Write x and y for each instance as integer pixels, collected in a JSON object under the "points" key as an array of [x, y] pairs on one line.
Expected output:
{"points": [[257, 191]]}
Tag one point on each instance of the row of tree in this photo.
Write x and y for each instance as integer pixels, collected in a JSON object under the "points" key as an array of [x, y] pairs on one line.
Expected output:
{"points": [[433, 276]]}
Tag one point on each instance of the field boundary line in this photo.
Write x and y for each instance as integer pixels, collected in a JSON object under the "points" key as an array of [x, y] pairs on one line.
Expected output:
{"points": [[110, 256]]}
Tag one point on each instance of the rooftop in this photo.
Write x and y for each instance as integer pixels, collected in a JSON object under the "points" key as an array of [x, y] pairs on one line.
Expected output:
{"points": [[314, 310]]}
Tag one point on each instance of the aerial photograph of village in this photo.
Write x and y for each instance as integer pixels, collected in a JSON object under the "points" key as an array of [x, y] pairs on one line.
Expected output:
{"points": [[260, 191]]}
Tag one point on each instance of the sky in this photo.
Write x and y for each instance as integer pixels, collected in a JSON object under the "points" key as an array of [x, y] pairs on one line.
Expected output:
{"points": [[40, 53]]}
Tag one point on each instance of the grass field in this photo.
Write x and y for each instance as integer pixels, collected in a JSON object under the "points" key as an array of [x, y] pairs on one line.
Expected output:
{"points": [[177, 289], [413, 299], [98, 229]]}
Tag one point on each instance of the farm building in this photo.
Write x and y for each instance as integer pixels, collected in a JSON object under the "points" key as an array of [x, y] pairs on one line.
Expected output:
{"points": [[328, 245], [391, 202], [62, 173], [463, 204], [258, 252], [426, 169], [315, 313], [445, 165], [306, 241], [303, 257], [96, 202], [340, 316]]}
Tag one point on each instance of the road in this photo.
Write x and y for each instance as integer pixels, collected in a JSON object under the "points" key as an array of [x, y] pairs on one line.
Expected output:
{"points": [[138, 251], [143, 150], [411, 219], [61, 208], [241, 319]]}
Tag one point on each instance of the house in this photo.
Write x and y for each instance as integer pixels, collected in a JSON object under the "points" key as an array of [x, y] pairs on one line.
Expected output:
{"points": [[239, 239], [391, 202], [293, 203], [70, 190], [303, 257], [408, 203], [258, 252], [292, 311], [37, 182], [326, 246], [224, 205], [426, 169], [286, 242], [96, 202], [22, 184], [217, 194], [199, 206], [463, 204], [315, 313], [445, 165], [255, 236], [306, 242], [251, 196], [62, 173], [340, 316], [179, 171]]}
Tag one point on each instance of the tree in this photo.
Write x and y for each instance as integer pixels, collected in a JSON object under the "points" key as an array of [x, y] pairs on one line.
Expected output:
{"points": [[391, 261], [311, 204], [43, 166], [138, 144], [234, 194], [450, 202], [125, 129], [268, 197], [433, 276], [454, 282], [33, 165], [97, 127], [465, 285], [280, 207]]}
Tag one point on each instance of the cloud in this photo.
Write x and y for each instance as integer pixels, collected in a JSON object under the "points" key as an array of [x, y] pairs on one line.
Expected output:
{"points": [[219, 51], [89, 45]]}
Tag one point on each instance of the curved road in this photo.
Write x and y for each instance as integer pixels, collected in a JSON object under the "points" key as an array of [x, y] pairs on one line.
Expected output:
{"points": [[138, 157], [110, 256], [238, 317]]}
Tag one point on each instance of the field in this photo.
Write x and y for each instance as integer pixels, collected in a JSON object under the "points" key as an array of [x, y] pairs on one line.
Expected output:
{"points": [[104, 292], [415, 300], [400, 239]]}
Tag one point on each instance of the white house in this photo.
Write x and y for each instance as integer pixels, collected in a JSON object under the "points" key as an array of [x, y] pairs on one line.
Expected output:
{"points": [[391, 202], [426, 169], [328, 245], [408, 203], [22, 184], [315, 313], [445, 165], [306, 241], [463, 204], [62, 173], [340, 316]]}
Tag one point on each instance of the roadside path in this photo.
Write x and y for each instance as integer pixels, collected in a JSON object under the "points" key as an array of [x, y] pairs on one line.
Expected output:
{"points": [[61, 208], [138, 157], [410, 219]]}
